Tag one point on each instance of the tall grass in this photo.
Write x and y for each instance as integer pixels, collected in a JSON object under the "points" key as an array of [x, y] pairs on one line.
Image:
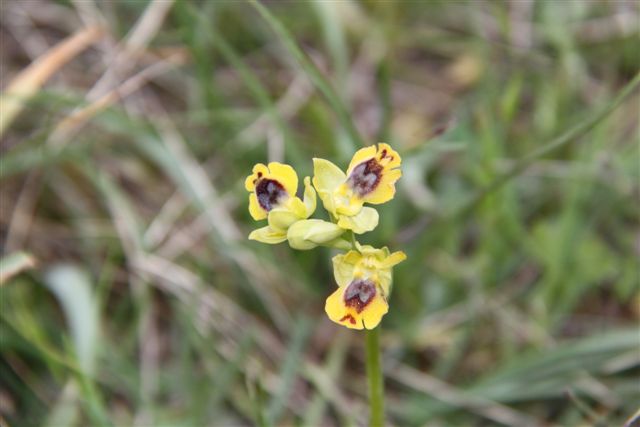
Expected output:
{"points": [[131, 295]]}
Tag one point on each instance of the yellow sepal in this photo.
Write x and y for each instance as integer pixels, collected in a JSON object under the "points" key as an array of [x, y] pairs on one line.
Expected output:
{"points": [[326, 175], [344, 267], [281, 219], [309, 197], [268, 235]]}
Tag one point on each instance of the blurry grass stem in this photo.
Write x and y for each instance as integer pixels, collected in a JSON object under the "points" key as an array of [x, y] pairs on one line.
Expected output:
{"points": [[26, 84], [572, 134], [15, 263], [315, 74]]}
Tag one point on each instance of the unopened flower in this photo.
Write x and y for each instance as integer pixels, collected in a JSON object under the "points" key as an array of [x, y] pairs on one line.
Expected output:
{"points": [[370, 178], [364, 280], [273, 196], [310, 233]]}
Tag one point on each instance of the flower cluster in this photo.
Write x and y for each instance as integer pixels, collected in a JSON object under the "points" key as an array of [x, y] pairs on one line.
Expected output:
{"points": [[363, 273]]}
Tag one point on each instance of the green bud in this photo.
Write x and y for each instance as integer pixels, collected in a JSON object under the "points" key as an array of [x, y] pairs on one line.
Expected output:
{"points": [[308, 234]]}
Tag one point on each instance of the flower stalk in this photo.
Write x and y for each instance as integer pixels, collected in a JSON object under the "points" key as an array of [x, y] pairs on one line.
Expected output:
{"points": [[375, 378]]}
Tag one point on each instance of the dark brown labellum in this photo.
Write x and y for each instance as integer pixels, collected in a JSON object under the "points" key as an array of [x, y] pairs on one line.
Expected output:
{"points": [[365, 177], [269, 193], [359, 294]]}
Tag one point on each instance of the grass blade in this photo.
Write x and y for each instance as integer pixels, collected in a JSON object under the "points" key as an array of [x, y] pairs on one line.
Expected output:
{"points": [[569, 136], [290, 367], [15, 263], [30, 80], [314, 73], [72, 288]]}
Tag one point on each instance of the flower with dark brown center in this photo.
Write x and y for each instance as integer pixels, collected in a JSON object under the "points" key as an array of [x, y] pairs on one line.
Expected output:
{"points": [[270, 187], [364, 283], [273, 196], [373, 172], [370, 178]]}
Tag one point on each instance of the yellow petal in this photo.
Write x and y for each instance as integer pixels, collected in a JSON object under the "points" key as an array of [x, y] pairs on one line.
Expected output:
{"points": [[309, 197], [327, 176], [285, 175], [362, 155], [386, 189], [393, 259], [255, 209], [268, 235], [365, 220]]}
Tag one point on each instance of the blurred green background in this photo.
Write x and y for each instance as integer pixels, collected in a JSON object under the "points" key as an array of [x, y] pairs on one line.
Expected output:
{"points": [[132, 296]]}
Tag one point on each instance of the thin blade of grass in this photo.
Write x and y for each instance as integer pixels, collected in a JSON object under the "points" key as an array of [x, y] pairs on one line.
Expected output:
{"points": [[333, 367], [539, 374], [15, 263], [72, 288], [569, 136], [251, 80], [314, 73], [30, 80], [290, 367]]}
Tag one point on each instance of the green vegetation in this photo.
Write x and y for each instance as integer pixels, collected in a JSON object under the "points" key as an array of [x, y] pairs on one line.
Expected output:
{"points": [[132, 296]]}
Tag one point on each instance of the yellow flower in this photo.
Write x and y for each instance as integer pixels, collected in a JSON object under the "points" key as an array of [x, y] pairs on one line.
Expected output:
{"points": [[370, 178], [273, 196], [364, 283]]}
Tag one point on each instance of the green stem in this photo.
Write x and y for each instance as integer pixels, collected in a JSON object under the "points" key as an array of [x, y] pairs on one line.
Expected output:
{"points": [[375, 378]]}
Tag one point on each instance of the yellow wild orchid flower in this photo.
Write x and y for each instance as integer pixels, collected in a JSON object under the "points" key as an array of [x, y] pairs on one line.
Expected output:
{"points": [[370, 178], [363, 273], [364, 278], [273, 190]]}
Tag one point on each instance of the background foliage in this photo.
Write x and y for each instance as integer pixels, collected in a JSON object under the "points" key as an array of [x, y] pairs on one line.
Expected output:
{"points": [[138, 300]]}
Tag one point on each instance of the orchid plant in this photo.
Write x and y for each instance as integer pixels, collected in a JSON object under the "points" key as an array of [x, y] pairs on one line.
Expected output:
{"points": [[363, 273]]}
